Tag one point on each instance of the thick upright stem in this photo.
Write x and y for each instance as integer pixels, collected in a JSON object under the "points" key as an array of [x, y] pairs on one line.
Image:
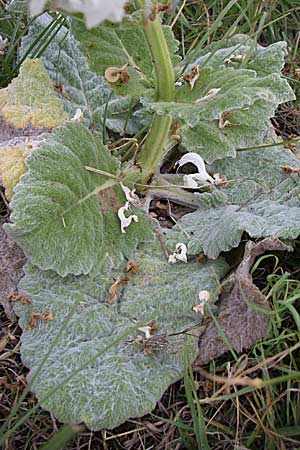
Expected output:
{"points": [[154, 146]]}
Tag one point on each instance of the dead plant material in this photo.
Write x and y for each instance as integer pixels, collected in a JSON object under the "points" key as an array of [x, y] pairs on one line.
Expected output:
{"points": [[223, 122], [33, 316], [114, 74], [289, 169], [15, 297], [113, 289], [12, 260], [132, 267], [243, 309]]}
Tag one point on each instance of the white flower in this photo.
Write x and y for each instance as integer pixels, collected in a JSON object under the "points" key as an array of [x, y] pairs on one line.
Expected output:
{"points": [[180, 254], [146, 330], [204, 297], [234, 58], [3, 44], [202, 175], [78, 116], [131, 196], [211, 93], [126, 221], [95, 11]]}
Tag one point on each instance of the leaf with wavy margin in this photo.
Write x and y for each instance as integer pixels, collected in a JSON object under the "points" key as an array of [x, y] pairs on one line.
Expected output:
{"points": [[80, 383]]}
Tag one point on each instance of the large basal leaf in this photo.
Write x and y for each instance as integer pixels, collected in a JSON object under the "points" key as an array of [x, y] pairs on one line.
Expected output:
{"points": [[28, 108], [114, 46], [260, 198], [232, 101], [56, 218], [81, 88], [80, 383]]}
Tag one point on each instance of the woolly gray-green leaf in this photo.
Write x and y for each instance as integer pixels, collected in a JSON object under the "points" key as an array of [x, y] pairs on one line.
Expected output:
{"points": [[239, 51], [223, 90], [80, 381], [230, 104], [260, 199], [56, 218], [125, 43], [68, 69]]}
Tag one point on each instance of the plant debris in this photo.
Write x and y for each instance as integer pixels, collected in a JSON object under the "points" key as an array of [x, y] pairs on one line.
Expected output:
{"points": [[12, 260], [240, 314]]}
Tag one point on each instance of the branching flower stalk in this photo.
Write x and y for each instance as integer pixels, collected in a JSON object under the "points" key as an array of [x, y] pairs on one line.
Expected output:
{"points": [[154, 146]]}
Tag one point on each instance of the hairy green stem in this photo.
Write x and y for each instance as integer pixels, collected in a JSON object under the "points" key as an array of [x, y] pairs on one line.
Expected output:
{"points": [[154, 146]]}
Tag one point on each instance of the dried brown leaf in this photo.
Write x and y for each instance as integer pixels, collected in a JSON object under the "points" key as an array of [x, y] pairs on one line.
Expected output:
{"points": [[12, 260], [240, 314]]}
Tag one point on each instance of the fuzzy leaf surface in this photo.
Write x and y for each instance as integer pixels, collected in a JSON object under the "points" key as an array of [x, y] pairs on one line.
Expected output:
{"points": [[30, 100], [80, 383], [114, 46], [264, 60], [56, 218], [246, 96], [261, 199], [81, 88]]}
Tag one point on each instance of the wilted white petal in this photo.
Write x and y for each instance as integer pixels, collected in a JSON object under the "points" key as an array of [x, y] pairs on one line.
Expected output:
{"points": [[3, 44], [195, 77], [233, 58], [78, 116], [188, 181], [126, 221], [201, 176], [146, 330], [180, 254], [131, 196], [204, 297], [193, 158], [211, 93], [95, 11]]}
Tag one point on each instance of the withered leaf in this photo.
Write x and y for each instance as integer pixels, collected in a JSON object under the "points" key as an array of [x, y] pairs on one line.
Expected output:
{"points": [[241, 323], [12, 260]]}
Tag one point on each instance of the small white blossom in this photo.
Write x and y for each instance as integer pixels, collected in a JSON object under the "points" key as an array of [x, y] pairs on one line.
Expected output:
{"points": [[3, 44], [146, 330], [211, 93], [204, 297], [131, 196], [180, 254], [95, 11], [201, 176], [78, 116], [234, 58], [126, 221]]}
